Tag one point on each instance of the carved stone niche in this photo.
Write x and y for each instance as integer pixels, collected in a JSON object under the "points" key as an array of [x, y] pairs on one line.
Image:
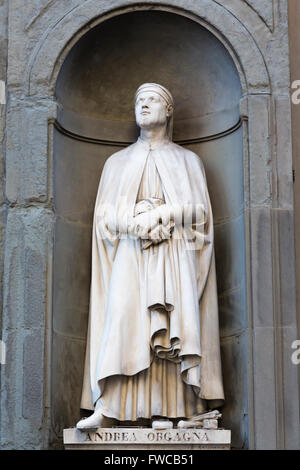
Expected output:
{"points": [[95, 90]]}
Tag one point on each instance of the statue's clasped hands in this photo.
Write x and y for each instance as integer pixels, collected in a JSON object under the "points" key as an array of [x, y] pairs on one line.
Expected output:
{"points": [[151, 227]]}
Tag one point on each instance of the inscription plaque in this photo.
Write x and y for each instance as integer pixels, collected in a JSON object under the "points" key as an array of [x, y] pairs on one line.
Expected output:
{"points": [[144, 438]]}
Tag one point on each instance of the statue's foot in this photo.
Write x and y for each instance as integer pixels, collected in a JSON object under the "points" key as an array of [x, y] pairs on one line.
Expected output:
{"points": [[92, 422], [193, 424], [162, 424]]}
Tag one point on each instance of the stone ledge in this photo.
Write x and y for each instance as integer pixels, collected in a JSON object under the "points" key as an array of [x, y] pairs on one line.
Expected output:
{"points": [[147, 439]]}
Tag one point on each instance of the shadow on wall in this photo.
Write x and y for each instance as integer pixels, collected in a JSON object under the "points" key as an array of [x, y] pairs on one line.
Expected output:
{"points": [[95, 91]]}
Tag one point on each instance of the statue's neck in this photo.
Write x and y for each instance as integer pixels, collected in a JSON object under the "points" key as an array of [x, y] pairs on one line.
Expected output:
{"points": [[154, 137]]}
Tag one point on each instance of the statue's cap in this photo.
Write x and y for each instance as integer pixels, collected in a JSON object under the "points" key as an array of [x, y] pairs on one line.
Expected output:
{"points": [[156, 88]]}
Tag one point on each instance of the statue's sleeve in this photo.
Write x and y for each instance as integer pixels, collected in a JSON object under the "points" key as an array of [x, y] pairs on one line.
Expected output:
{"points": [[183, 214], [113, 215]]}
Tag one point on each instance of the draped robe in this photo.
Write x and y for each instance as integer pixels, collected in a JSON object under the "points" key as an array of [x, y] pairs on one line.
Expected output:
{"points": [[153, 337]]}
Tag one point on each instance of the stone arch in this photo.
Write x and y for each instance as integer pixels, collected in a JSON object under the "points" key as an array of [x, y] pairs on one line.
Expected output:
{"points": [[49, 54]]}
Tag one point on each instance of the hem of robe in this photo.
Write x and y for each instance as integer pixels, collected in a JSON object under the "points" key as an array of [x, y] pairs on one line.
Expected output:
{"points": [[157, 391]]}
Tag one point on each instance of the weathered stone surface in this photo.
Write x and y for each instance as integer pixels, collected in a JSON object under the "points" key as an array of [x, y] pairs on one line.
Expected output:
{"points": [[3, 37], [33, 371], [28, 23], [224, 167], [25, 234], [267, 226], [283, 159], [21, 425], [34, 288], [260, 177], [235, 375], [261, 266], [287, 281], [71, 287], [276, 51], [229, 249], [2, 153], [27, 150], [275, 381], [11, 384], [76, 175], [3, 67], [2, 249], [264, 8], [28, 239], [290, 405], [265, 404], [232, 311], [213, 13], [67, 350]]}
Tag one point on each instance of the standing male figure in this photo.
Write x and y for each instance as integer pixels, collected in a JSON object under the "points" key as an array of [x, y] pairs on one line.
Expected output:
{"points": [[153, 347]]}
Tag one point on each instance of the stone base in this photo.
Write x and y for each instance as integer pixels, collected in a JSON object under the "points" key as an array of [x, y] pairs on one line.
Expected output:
{"points": [[147, 439]]}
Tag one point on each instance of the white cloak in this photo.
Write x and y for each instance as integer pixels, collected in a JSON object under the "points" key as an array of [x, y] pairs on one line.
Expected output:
{"points": [[124, 332]]}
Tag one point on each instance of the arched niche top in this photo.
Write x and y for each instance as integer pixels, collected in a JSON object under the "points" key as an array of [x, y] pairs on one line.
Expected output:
{"points": [[50, 53], [97, 83]]}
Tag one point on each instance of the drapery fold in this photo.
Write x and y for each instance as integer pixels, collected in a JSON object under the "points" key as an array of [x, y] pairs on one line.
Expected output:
{"points": [[156, 391]]}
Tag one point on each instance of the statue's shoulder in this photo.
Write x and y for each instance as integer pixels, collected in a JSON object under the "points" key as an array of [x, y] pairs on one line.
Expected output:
{"points": [[117, 158], [188, 155], [121, 154]]}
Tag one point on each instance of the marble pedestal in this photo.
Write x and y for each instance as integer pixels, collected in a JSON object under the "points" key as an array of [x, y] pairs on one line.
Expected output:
{"points": [[147, 439]]}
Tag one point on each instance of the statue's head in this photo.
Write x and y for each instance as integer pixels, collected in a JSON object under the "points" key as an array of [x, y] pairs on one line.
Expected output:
{"points": [[154, 106]]}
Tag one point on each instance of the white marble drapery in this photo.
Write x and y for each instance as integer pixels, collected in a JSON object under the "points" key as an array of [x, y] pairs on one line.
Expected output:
{"points": [[134, 312]]}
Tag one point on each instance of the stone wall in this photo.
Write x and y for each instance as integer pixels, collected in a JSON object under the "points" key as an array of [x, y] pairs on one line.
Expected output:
{"points": [[41, 33], [294, 35], [3, 67]]}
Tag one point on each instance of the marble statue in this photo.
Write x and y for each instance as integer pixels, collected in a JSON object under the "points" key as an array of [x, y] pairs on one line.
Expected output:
{"points": [[153, 348]]}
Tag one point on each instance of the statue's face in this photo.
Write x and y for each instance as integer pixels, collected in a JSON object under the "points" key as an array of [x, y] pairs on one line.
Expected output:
{"points": [[151, 110]]}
